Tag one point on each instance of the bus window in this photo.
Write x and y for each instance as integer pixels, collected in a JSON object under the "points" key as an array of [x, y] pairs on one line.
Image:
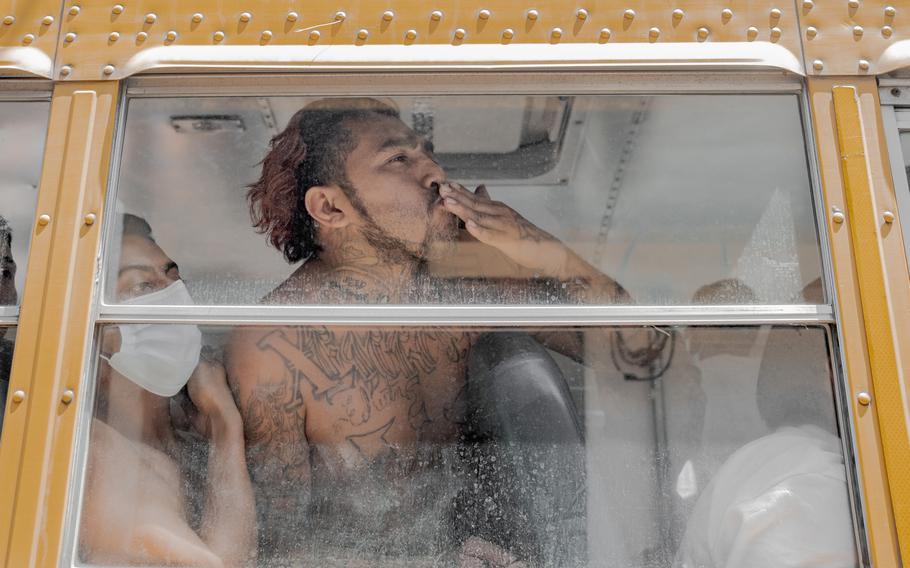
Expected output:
{"points": [[7, 342], [663, 194], [23, 126], [448, 446]]}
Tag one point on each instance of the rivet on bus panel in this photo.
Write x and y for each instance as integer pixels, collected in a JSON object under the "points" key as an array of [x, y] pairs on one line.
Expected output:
{"points": [[864, 65], [857, 32], [864, 398], [556, 33], [436, 15], [117, 9], [28, 38], [362, 34], [653, 34], [508, 34], [340, 16], [678, 14], [887, 31], [170, 36], [74, 11], [818, 65], [90, 218], [18, 396], [151, 18], [838, 216], [703, 34], [197, 17], [459, 34], [388, 16], [533, 15], [218, 36], [67, 396], [292, 16], [605, 34], [265, 36], [726, 15], [775, 13], [9, 20], [775, 34], [44, 218], [107, 70], [629, 14], [890, 11], [752, 33], [245, 17], [808, 5], [69, 38], [888, 217], [47, 20], [314, 36], [484, 14], [853, 4], [581, 14], [811, 32], [141, 37], [410, 35]]}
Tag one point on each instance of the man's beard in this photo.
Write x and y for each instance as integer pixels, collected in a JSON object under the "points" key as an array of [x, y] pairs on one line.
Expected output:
{"points": [[392, 249]]}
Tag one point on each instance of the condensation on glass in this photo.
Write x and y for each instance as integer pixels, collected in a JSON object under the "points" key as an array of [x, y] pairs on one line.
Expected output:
{"points": [[23, 128], [416, 446], [665, 194]]}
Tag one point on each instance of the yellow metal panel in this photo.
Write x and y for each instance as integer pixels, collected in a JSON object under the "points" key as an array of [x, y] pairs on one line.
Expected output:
{"points": [[28, 36], [874, 482], [867, 37], [146, 35], [864, 220], [55, 324]]}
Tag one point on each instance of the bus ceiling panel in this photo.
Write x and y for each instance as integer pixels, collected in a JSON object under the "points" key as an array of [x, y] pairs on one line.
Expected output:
{"points": [[104, 40], [28, 37]]}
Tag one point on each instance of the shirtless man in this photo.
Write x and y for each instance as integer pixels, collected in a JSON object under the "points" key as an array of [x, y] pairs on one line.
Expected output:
{"points": [[351, 431], [137, 500]]}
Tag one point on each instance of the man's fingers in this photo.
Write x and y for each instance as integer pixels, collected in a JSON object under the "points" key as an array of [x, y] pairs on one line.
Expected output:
{"points": [[466, 213], [481, 191], [462, 195]]}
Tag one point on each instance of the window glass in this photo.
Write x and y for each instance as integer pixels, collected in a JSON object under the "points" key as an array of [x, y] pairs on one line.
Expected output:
{"points": [[663, 195], [23, 127], [416, 446], [7, 342]]}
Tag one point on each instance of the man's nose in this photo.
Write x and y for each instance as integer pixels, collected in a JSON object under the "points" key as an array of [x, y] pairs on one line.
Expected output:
{"points": [[434, 176]]}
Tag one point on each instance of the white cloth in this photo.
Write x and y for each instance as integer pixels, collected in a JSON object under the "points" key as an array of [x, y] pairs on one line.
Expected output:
{"points": [[780, 501]]}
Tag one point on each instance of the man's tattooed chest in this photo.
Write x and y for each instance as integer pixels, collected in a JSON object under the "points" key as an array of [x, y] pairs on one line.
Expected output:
{"points": [[372, 388]]}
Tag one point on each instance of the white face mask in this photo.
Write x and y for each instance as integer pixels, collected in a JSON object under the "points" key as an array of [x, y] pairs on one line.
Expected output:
{"points": [[159, 358]]}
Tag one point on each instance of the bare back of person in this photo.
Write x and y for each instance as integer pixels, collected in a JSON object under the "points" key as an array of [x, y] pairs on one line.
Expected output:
{"points": [[114, 530]]}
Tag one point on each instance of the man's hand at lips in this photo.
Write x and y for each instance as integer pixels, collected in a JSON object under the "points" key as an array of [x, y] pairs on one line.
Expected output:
{"points": [[496, 224]]}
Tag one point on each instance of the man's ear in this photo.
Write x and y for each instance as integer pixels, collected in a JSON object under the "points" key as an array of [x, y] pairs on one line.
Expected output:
{"points": [[328, 206]]}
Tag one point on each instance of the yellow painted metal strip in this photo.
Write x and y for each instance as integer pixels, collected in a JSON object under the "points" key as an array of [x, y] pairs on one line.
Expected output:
{"points": [[862, 220], [55, 323]]}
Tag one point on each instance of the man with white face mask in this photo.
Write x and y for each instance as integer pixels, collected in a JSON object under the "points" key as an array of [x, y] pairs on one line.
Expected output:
{"points": [[138, 503]]}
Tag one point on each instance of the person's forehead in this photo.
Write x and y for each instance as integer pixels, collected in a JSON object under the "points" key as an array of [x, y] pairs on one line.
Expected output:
{"points": [[375, 132], [140, 250]]}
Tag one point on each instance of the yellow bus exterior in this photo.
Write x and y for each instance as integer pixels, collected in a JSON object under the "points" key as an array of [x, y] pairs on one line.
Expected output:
{"points": [[83, 52]]}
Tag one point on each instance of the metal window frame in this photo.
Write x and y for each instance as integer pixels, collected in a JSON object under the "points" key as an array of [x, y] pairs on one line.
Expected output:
{"points": [[442, 83], [895, 110]]}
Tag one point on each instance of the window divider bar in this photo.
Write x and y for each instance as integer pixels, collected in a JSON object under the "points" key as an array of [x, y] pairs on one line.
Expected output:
{"points": [[471, 315]]}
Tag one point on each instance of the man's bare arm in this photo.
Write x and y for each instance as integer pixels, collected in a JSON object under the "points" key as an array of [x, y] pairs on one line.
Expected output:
{"points": [[277, 450], [229, 518]]}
